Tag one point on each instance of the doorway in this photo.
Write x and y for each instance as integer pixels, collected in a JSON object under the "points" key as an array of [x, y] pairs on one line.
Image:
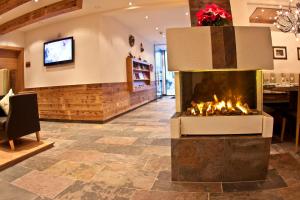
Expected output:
{"points": [[165, 80]]}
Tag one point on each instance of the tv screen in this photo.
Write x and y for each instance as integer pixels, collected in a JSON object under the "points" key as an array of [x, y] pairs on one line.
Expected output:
{"points": [[59, 51]]}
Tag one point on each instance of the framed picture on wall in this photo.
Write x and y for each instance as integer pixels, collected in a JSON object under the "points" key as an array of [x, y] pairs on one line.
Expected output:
{"points": [[298, 53], [280, 53]]}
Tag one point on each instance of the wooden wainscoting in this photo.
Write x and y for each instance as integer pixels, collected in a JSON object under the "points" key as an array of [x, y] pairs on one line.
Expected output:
{"points": [[90, 103]]}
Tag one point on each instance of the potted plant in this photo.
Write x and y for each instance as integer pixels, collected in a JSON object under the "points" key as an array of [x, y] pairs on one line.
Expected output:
{"points": [[213, 15]]}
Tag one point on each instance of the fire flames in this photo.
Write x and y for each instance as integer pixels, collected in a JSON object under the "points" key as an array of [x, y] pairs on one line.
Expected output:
{"points": [[219, 107]]}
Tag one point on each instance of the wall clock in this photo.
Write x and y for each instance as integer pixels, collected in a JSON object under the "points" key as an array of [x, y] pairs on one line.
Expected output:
{"points": [[131, 40]]}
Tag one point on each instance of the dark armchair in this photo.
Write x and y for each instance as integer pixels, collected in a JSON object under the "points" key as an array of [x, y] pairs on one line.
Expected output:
{"points": [[22, 119]]}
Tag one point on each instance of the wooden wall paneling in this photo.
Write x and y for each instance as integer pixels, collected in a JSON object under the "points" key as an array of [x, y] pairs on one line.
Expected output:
{"points": [[93, 102], [7, 5], [45, 12], [196, 5]]}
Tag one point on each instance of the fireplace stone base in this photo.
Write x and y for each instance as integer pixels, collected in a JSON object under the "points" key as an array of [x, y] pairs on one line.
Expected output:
{"points": [[220, 158]]}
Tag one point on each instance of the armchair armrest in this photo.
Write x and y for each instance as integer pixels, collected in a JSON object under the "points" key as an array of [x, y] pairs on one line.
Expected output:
{"points": [[23, 117]]}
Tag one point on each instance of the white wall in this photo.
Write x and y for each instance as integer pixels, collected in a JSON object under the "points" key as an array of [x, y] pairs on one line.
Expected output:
{"points": [[242, 9], [292, 64], [114, 48], [239, 12], [101, 47], [15, 39]]}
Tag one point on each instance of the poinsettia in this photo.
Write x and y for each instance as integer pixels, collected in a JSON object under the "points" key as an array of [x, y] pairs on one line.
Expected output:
{"points": [[213, 15]]}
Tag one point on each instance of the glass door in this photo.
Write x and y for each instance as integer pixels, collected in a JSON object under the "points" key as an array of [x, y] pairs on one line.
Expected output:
{"points": [[158, 74], [165, 79]]}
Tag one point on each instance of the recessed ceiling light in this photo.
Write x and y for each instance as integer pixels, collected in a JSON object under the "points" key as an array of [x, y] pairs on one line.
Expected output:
{"points": [[262, 10], [132, 7], [187, 13], [130, 3], [146, 17], [36, 1], [157, 28]]}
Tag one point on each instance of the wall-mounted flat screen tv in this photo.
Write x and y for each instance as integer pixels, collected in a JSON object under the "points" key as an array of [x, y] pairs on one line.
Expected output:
{"points": [[59, 51]]}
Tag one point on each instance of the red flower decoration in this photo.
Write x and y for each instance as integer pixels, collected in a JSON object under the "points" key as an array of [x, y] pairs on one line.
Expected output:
{"points": [[213, 15]]}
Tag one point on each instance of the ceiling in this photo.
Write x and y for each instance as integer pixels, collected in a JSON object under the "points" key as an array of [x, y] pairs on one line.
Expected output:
{"points": [[162, 14]]}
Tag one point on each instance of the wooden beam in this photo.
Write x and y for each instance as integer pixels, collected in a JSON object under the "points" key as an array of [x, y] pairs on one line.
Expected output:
{"points": [[7, 5], [45, 12], [264, 15]]}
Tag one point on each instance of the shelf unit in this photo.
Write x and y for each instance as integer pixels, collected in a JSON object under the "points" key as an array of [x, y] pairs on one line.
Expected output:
{"points": [[138, 75]]}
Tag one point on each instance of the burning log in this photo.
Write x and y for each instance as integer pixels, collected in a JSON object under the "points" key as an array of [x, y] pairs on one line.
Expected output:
{"points": [[216, 107]]}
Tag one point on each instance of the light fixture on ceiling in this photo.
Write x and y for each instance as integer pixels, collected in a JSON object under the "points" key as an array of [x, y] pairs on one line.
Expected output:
{"points": [[146, 17], [187, 13], [288, 21], [36, 1], [156, 28], [131, 6]]}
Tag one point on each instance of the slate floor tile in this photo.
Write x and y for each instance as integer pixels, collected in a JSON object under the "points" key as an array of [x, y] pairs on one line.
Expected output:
{"points": [[13, 173], [259, 195], [162, 142], [287, 167], [74, 170], [143, 141], [273, 181], [157, 150], [158, 195], [94, 191], [11, 192], [43, 184], [117, 140], [81, 156], [186, 187], [39, 162]]}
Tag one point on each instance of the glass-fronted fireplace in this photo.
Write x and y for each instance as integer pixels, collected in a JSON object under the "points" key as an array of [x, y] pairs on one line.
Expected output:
{"points": [[215, 93]]}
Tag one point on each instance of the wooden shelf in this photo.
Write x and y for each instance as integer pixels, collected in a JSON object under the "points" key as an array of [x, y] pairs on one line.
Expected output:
{"points": [[138, 75], [141, 79], [141, 70]]}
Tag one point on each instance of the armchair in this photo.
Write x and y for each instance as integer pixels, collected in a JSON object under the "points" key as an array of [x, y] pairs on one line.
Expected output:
{"points": [[22, 119]]}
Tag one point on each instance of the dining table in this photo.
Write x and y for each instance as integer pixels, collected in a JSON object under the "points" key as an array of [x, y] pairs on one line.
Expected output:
{"points": [[283, 99]]}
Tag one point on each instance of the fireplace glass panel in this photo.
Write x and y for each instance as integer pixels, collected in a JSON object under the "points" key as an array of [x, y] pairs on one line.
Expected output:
{"points": [[219, 86]]}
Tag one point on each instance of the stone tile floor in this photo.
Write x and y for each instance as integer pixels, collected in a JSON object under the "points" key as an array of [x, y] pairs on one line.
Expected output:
{"points": [[129, 158]]}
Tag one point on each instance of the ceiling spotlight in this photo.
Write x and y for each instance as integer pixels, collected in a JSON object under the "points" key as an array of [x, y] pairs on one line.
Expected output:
{"points": [[262, 10], [130, 3], [146, 17], [187, 13], [36, 1], [157, 28]]}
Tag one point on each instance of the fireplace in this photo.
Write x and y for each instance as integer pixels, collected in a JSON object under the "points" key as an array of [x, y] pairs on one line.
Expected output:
{"points": [[220, 93], [219, 131]]}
